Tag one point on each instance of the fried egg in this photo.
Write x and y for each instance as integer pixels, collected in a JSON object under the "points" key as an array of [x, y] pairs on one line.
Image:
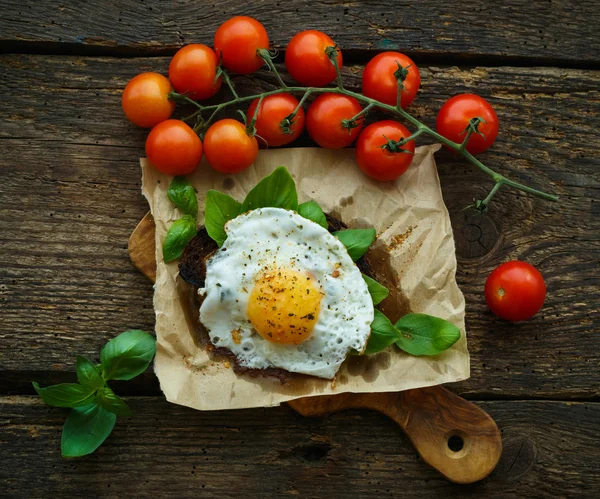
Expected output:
{"points": [[283, 292]]}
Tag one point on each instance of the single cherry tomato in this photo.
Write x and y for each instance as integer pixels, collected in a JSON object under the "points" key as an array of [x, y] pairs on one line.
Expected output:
{"points": [[324, 120], [236, 43], [173, 148], [228, 148], [192, 71], [515, 291], [274, 109], [379, 155], [145, 100], [380, 78], [454, 117], [306, 59]]}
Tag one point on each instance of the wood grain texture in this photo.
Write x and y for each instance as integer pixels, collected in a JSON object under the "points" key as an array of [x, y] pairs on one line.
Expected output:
{"points": [[70, 196], [558, 31], [167, 450]]}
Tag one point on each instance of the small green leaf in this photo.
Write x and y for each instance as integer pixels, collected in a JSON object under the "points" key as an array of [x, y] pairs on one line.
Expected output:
{"points": [[277, 190], [181, 232], [426, 335], [111, 402], [313, 211], [87, 374], [357, 241], [127, 355], [219, 209], [183, 195], [378, 292], [383, 334], [65, 394], [85, 429]]}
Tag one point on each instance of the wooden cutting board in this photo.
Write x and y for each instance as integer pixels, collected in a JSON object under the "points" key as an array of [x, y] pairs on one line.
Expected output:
{"points": [[454, 436]]}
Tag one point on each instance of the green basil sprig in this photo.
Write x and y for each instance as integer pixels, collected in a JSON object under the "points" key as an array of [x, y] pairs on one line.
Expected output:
{"points": [[219, 209], [357, 241], [277, 190], [313, 211], [183, 196], [180, 233], [95, 406], [377, 291]]}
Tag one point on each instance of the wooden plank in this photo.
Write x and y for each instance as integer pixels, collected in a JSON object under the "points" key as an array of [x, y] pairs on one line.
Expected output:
{"points": [[558, 32], [275, 452], [70, 197]]}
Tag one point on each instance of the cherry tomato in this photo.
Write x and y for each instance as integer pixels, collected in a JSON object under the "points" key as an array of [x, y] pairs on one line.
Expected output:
{"points": [[228, 148], [273, 109], [515, 291], [324, 120], [192, 71], [306, 60], [379, 162], [453, 119], [379, 79], [173, 148], [145, 100], [236, 43]]}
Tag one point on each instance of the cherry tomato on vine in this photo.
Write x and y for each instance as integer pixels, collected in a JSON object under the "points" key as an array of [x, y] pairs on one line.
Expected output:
{"points": [[228, 148], [306, 59], [377, 153], [173, 148], [515, 291], [380, 78], [454, 117], [192, 71], [145, 101], [236, 43], [324, 120], [273, 109]]}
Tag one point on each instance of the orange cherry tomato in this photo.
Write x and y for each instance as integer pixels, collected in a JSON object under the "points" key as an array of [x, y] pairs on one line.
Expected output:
{"points": [[236, 43], [306, 59], [324, 120], [379, 79], [192, 71], [273, 109], [145, 100], [173, 148], [374, 156], [228, 148]]}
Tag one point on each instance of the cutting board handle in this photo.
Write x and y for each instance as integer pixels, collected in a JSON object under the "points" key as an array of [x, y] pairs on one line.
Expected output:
{"points": [[456, 437]]}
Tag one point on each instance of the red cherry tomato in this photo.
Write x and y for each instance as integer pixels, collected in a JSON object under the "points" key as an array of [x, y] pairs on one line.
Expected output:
{"points": [[454, 116], [145, 100], [273, 109], [236, 43], [515, 291], [379, 79], [324, 120], [380, 162], [307, 61], [228, 148], [173, 148], [192, 71]]}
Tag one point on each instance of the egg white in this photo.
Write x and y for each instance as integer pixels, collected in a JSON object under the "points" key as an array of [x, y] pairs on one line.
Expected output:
{"points": [[278, 238]]}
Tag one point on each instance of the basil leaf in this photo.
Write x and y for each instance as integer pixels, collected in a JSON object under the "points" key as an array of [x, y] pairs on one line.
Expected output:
{"points": [[383, 334], [426, 335], [219, 209], [313, 211], [127, 355], [87, 374], [378, 292], [183, 195], [65, 394], [277, 190], [85, 429], [180, 233], [111, 402], [357, 241]]}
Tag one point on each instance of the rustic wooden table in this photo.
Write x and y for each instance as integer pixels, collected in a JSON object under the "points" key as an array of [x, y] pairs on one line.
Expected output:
{"points": [[70, 196]]}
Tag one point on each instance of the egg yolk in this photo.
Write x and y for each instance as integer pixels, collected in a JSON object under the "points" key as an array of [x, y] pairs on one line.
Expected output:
{"points": [[284, 305]]}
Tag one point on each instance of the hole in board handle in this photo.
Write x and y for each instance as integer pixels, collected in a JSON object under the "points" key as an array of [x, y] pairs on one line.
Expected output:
{"points": [[455, 443]]}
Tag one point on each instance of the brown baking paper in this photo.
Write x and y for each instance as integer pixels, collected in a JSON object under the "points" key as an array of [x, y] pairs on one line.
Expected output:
{"points": [[414, 253]]}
